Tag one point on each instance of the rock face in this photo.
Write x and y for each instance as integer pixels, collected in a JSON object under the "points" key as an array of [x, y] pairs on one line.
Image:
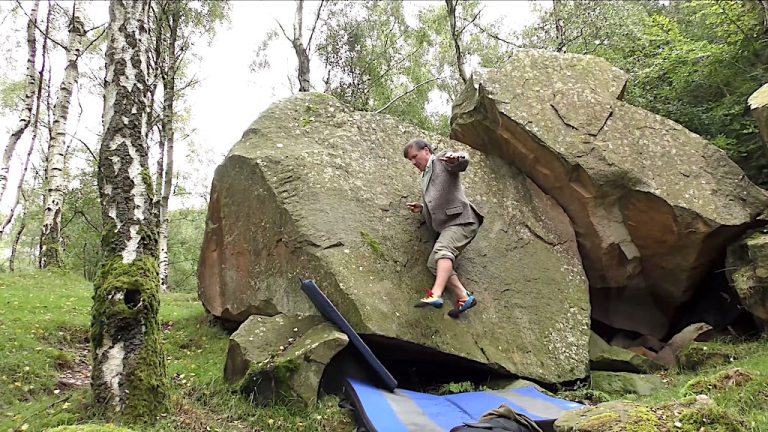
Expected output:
{"points": [[758, 103], [652, 204], [316, 190], [747, 269], [281, 357]]}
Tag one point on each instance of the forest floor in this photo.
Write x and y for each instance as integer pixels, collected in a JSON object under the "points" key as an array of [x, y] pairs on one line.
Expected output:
{"points": [[45, 367]]}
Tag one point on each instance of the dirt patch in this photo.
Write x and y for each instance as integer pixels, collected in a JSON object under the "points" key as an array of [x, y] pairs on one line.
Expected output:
{"points": [[77, 372], [197, 420], [72, 355]]}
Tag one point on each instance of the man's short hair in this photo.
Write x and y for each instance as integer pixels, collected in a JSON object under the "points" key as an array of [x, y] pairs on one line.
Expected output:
{"points": [[417, 143]]}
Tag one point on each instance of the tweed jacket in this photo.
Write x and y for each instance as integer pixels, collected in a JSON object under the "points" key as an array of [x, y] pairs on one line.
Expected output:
{"points": [[444, 201]]}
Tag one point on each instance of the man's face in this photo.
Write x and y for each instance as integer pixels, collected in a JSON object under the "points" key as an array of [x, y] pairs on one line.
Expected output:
{"points": [[419, 158]]}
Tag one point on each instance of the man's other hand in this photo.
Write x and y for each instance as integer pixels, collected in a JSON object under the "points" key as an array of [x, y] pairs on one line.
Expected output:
{"points": [[451, 158], [414, 207]]}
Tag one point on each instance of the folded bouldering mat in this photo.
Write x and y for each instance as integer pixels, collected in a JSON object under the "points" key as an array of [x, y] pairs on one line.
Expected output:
{"points": [[332, 314], [380, 410]]}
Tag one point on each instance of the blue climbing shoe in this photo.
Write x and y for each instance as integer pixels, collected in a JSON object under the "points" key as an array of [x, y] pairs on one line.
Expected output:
{"points": [[463, 306]]}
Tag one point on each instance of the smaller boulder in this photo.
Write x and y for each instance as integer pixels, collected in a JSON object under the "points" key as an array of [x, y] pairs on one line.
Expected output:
{"points": [[621, 383], [758, 104], [613, 416], [605, 357], [281, 358], [747, 269]]}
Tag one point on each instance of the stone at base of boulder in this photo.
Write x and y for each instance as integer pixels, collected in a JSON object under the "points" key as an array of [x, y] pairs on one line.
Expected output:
{"points": [[605, 357], [625, 383], [281, 359]]}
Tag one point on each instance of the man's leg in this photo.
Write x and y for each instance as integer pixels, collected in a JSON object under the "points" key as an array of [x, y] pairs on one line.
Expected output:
{"points": [[457, 288], [443, 274], [448, 246], [440, 263]]}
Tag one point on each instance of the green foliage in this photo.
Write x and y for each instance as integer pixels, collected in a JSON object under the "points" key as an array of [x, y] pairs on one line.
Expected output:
{"points": [[373, 244], [185, 239], [11, 94], [373, 55], [456, 387]]}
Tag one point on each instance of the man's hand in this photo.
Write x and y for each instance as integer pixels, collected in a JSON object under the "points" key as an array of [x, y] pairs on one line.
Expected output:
{"points": [[451, 158], [414, 207]]}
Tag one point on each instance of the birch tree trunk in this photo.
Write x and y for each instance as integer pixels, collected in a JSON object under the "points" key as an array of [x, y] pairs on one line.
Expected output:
{"points": [[128, 379], [50, 238], [167, 134], [29, 97]]}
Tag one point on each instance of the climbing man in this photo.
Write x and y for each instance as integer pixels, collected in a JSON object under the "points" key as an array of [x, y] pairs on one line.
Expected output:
{"points": [[448, 212]]}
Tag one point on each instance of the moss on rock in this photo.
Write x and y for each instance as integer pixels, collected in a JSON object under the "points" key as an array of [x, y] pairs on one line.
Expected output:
{"points": [[700, 355], [718, 382], [614, 416]]}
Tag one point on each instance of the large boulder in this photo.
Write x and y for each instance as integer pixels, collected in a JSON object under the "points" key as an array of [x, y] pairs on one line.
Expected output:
{"points": [[758, 104], [653, 205], [316, 190]]}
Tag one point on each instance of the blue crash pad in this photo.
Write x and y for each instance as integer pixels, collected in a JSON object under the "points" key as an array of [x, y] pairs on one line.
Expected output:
{"points": [[330, 312], [408, 411]]}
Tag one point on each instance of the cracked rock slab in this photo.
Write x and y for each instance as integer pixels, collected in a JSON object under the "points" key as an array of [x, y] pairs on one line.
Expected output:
{"points": [[281, 358], [316, 190], [653, 205]]}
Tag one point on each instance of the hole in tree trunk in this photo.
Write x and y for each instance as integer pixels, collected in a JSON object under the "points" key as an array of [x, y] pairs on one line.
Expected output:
{"points": [[132, 299]]}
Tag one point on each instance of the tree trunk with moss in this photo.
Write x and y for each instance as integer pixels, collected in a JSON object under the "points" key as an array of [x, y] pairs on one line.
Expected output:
{"points": [[50, 238], [129, 377], [29, 97]]}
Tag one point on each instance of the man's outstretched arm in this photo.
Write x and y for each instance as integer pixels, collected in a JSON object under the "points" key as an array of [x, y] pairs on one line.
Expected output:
{"points": [[455, 161]]}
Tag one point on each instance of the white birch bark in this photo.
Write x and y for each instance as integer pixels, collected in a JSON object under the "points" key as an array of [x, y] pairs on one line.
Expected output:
{"points": [[167, 135], [29, 97], [128, 377], [50, 238]]}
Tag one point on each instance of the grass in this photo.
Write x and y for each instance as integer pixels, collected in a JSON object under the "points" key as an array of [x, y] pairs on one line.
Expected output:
{"points": [[738, 387], [44, 361]]}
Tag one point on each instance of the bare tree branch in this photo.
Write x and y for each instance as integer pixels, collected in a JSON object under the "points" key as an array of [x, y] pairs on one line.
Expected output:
{"points": [[413, 89], [282, 30], [44, 32], [314, 26], [472, 21]]}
